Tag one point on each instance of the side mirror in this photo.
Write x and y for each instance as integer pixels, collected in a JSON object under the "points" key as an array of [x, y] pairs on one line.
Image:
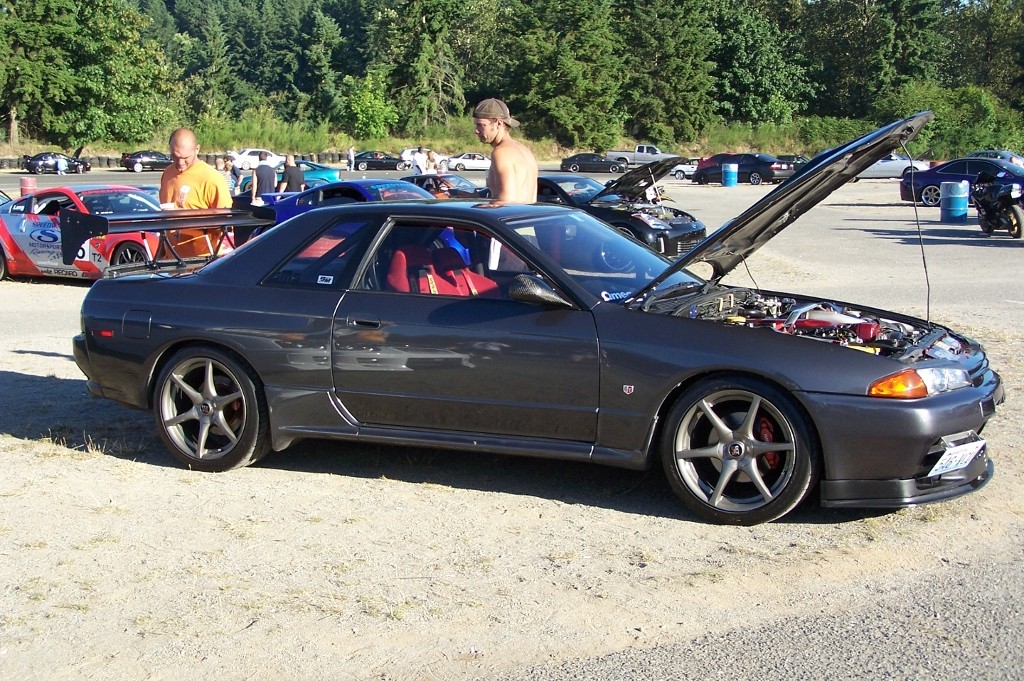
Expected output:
{"points": [[527, 288]]}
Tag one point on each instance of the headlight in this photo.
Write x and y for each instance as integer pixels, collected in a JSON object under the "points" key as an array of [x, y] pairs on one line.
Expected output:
{"points": [[914, 383], [652, 222]]}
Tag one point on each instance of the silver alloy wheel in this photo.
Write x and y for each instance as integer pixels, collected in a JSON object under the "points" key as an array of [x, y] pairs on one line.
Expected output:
{"points": [[460, 167], [735, 452], [679, 175], [755, 178], [137, 167], [574, 168], [128, 253], [613, 169], [201, 408], [931, 195], [362, 166]]}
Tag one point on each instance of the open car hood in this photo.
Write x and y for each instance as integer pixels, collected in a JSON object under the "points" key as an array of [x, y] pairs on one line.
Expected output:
{"points": [[633, 185], [737, 239]]}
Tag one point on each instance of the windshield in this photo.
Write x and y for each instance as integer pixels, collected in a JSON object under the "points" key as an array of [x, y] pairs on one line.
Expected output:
{"points": [[595, 255], [396, 191], [579, 189]]}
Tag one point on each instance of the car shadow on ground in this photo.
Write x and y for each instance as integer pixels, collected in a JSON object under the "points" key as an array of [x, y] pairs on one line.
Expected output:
{"points": [[941, 235], [61, 411]]}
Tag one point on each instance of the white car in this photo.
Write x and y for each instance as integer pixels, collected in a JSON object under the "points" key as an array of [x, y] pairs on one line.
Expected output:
{"points": [[891, 166], [247, 159], [682, 171], [469, 160]]}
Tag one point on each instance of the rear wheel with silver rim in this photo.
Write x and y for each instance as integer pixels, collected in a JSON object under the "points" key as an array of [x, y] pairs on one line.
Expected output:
{"points": [[210, 410], [137, 167], [128, 253], [1016, 218], [679, 175], [738, 451], [460, 167], [362, 165], [574, 168], [755, 178]]}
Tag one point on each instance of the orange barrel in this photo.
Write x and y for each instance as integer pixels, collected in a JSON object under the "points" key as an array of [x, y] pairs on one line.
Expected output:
{"points": [[28, 185]]}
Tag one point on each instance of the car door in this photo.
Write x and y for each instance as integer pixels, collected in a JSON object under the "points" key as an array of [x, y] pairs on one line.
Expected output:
{"points": [[413, 355]]}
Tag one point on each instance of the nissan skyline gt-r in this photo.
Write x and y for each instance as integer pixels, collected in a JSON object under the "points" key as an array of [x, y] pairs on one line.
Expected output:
{"points": [[630, 203], [46, 162], [289, 204], [30, 235], [145, 160], [551, 335], [378, 160]]}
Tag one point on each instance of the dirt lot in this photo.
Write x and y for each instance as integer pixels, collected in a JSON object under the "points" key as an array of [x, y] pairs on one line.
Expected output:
{"points": [[334, 561]]}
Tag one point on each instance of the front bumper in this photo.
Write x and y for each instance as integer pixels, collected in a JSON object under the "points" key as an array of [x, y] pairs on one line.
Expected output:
{"points": [[907, 492], [676, 241]]}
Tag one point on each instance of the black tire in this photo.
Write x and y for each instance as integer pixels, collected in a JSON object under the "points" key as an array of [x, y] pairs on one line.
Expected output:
{"points": [[755, 178], [137, 167], [613, 169], [700, 179], [361, 165], [769, 453], [679, 175], [210, 410], [128, 253], [460, 167], [1016, 219], [931, 195], [574, 168], [3, 265]]}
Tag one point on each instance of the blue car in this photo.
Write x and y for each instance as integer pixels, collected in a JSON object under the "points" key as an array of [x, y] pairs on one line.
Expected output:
{"points": [[289, 204], [926, 185]]}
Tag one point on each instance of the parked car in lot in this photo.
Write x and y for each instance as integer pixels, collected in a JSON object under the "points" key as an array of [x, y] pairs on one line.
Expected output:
{"points": [[314, 173], [444, 185], [892, 166], [591, 163], [925, 186], [468, 160], [752, 168], [247, 159], [1004, 154], [684, 170], [30, 234], [553, 336], [798, 161], [46, 162], [137, 161], [379, 160], [289, 204], [631, 204]]}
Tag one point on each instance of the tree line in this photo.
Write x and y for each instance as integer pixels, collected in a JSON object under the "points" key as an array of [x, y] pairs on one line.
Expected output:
{"points": [[585, 73]]}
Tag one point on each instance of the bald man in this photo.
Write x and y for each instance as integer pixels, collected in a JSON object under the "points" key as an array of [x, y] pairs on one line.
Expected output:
{"points": [[189, 182]]}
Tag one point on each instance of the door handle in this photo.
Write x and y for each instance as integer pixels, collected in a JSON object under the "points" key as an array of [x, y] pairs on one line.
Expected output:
{"points": [[362, 323]]}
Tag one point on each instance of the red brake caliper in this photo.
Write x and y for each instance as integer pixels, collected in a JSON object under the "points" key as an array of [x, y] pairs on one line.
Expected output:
{"points": [[766, 433]]}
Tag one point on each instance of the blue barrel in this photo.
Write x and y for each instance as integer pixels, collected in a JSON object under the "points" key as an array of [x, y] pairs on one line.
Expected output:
{"points": [[730, 173], [953, 201]]}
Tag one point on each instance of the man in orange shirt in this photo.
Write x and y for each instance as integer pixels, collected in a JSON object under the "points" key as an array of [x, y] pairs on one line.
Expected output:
{"points": [[189, 182]]}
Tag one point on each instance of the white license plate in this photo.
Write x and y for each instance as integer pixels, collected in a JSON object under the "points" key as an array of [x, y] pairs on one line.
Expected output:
{"points": [[957, 457]]}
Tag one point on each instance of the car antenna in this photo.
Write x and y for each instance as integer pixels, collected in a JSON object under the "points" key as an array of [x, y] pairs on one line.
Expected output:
{"points": [[920, 241]]}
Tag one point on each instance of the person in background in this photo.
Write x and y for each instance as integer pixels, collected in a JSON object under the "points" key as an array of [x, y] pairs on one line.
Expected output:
{"points": [[430, 168], [293, 179], [264, 179], [419, 161], [189, 182], [512, 177], [351, 159], [221, 166], [62, 165], [236, 175]]}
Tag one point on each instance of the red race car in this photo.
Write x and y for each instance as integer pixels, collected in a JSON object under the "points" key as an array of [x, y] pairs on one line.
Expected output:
{"points": [[30, 238]]}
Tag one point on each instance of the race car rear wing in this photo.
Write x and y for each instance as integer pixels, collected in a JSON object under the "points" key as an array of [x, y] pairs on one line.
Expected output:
{"points": [[237, 225]]}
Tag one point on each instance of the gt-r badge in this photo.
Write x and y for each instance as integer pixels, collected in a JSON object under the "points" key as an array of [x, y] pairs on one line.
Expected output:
{"points": [[628, 389]]}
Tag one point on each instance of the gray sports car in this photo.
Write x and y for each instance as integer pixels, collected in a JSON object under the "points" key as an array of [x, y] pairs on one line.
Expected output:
{"points": [[539, 330]]}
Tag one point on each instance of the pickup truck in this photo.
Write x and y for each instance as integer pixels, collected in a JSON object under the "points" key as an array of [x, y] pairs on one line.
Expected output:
{"points": [[643, 153]]}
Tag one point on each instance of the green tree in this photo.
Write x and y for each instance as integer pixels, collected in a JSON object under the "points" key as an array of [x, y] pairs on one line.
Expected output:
{"points": [[367, 110], [667, 85], [568, 75], [319, 79], [758, 80]]}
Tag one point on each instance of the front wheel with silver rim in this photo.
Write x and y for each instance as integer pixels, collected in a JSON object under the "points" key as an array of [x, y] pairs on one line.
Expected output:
{"points": [[137, 167], [574, 168], [679, 175], [460, 167], [738, 451], [210, 410], [755, 178], [1016, 217]]}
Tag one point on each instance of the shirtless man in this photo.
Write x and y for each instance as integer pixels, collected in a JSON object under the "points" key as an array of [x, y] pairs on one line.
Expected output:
{"points": [[512, 177]]}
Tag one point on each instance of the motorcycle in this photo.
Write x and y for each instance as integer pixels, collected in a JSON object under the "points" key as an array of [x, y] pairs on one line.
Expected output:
{"points": [[998, 201]]}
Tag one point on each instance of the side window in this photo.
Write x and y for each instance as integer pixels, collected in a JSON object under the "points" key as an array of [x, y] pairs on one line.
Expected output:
{"points": [[322, 263], [431, 259], [957, 168]]}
